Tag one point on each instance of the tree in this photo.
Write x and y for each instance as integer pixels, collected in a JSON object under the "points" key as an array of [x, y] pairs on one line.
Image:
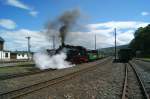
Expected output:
{"points": [[141, 41]]}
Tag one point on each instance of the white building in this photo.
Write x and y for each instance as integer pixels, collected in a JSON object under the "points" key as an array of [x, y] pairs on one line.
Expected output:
{"points": [[9, 55], [22, 55]]}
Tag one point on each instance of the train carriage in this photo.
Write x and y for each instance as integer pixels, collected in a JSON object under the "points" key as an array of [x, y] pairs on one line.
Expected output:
{"points": [[125, 55]]}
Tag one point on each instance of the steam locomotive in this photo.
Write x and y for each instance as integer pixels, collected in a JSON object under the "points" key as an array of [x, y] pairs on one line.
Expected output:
{"points": [[77, 54]]}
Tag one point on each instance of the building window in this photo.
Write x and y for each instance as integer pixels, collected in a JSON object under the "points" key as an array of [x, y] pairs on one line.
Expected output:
{"points": [[18, 54], [6, 54]]}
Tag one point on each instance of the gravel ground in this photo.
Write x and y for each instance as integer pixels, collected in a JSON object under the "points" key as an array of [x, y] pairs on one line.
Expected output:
{"points": [[134, 91], [105, 82], [144, 72], [21, 82]]}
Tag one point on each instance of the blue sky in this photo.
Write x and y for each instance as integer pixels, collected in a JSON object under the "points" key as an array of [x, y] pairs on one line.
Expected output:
{"points": [[20, 16]]}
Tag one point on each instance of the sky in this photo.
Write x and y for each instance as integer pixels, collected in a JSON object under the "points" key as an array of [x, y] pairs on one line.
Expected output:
{"points": [[22, 18]]}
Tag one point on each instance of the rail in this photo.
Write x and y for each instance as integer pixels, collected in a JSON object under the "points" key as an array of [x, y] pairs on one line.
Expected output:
{"points": [[125, 86]]}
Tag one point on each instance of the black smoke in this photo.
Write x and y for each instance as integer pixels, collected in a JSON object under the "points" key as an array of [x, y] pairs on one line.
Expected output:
{"points": [[63, 24]]}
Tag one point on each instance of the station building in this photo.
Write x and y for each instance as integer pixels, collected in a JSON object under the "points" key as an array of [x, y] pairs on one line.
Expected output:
{"points": [[6, 55], [21, 55]]}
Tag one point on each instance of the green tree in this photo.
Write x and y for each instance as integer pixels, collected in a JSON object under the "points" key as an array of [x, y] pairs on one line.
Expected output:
{"points": [[141, 41]]}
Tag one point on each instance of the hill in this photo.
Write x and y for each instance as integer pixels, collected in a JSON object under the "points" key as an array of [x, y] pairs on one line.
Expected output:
{"points": [[111, 50]]}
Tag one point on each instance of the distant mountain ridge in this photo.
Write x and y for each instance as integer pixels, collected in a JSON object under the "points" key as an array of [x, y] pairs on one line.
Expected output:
{"points": [[111, 50]]}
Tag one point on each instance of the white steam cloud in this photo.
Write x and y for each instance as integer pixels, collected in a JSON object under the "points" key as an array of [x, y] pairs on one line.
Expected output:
{"points": [[45, 61]]}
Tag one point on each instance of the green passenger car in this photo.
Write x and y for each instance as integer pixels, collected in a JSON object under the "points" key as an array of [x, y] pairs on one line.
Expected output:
{"points": [[93, 55]]}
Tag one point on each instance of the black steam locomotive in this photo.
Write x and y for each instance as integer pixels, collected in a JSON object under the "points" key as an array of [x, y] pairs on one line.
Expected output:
{"points": [[75, 54]]}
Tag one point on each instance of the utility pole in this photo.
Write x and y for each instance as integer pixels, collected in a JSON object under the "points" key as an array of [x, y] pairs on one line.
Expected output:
{"points": [[115, 45], [28, 38], [95, 41]]}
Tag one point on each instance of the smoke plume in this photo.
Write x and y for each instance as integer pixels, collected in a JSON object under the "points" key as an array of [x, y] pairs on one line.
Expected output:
{"points": [[59, 28], [63, 24]]}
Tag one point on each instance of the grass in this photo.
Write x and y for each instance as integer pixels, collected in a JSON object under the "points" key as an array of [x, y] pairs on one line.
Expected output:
{"points": [[19, 68], [12, 70], [146, 59]]}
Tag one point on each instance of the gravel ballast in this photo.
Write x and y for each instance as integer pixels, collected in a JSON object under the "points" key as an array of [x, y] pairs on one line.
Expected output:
{"points": [[21, 82], [134, 90], [104, 82], [144, 72]]}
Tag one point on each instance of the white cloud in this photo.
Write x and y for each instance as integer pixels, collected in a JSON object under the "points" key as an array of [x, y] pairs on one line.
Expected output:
{"points": [[33, 13], [145, 13], [19, 4], [125, 37], [104, 34], [7, 23], [118, 24], [16, 40]]}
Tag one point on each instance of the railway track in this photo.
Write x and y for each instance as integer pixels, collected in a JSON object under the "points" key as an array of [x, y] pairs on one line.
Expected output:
{"points": [[11, 76], [36, 87], [144, 72], [133, 86]]}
